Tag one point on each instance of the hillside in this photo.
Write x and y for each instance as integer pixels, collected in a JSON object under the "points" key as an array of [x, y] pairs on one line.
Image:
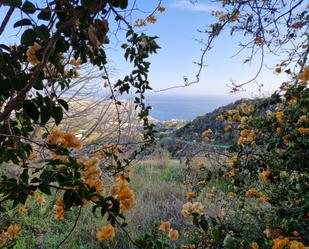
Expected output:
{"points": [[193, 130]]}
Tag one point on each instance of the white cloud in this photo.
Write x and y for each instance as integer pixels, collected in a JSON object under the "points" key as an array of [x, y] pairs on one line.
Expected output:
{"points": [[196, 6]]}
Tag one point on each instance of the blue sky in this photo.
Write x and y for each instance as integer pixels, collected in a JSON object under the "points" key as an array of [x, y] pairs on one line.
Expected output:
{"points": [[177, 31]]}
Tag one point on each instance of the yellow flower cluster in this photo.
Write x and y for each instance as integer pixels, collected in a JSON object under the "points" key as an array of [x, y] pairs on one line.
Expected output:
{"points": [[211, 194], [165, 227], [190, 195], [303, 131], [233, 115], [22, 209], [206, 134], [254, 245], [201, 165], [286, 243], [31, 54], [294, 244], [76, 63], [246, 136], [231, 173], [64, 139], [62, 158], [279, 116], [189, 208], [106, 150], [278, 70], [254, 193], [161, 9], [304, 76], [91, 174], [243, 122], [123, 193], [140, 22], [173, 234], [40, 200], [151, 19], [107, 232], [232, 194], [235, 16], [59, 209], [230, 163], [297, 25], [264, 176], [9, 234], [258, 40]]}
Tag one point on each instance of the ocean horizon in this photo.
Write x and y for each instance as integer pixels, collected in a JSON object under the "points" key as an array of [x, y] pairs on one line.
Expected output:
{"points": [[168, 107]]}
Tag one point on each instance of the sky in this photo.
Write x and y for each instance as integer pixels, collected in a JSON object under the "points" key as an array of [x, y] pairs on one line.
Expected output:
{"points": [[177, 29], [177, 32]]}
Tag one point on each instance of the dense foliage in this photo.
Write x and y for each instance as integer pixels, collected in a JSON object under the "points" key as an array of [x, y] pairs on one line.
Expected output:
{"points": [[264, 202]]}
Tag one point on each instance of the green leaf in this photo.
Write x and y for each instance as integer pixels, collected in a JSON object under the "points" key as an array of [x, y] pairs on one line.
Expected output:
{"points": [[45, 115], [25, 176], [3, 46], [203, 223], [57, 114], [45, 189], [123, 4], [45, 14], [23, 22], [64, 104], [42, 32], [86, 3], [28, 7], [229, 242], [62, 46], [31, 110], [38, 84], [2, 209], [217, 233], [28, 37]]}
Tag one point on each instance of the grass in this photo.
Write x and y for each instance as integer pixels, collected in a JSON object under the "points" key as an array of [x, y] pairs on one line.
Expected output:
{"points": [[159, 194]]}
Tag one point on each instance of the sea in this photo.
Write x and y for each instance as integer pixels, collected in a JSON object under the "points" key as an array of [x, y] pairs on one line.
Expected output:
{"points": [[178, 107]]}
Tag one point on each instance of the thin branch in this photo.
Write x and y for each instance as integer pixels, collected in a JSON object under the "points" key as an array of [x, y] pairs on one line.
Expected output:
{"points": [[6, 19], [72, 229]]}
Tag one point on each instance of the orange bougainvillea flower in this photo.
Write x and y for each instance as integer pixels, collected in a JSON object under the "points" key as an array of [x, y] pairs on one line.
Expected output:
{"points": [[190, 195], [303, 131], [189, 208], [123, 193], [151, 19], [12, 231], [140, 22], [304, 76], [107, 232], [40, 200], [254, 245], [252, 192], [161, 9], [59, 209], [280, 243], [64, 139], [264, 176], [165, 226], [173, 234], [22, 209], [31, 54], [279, 116], [296, 245]]}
